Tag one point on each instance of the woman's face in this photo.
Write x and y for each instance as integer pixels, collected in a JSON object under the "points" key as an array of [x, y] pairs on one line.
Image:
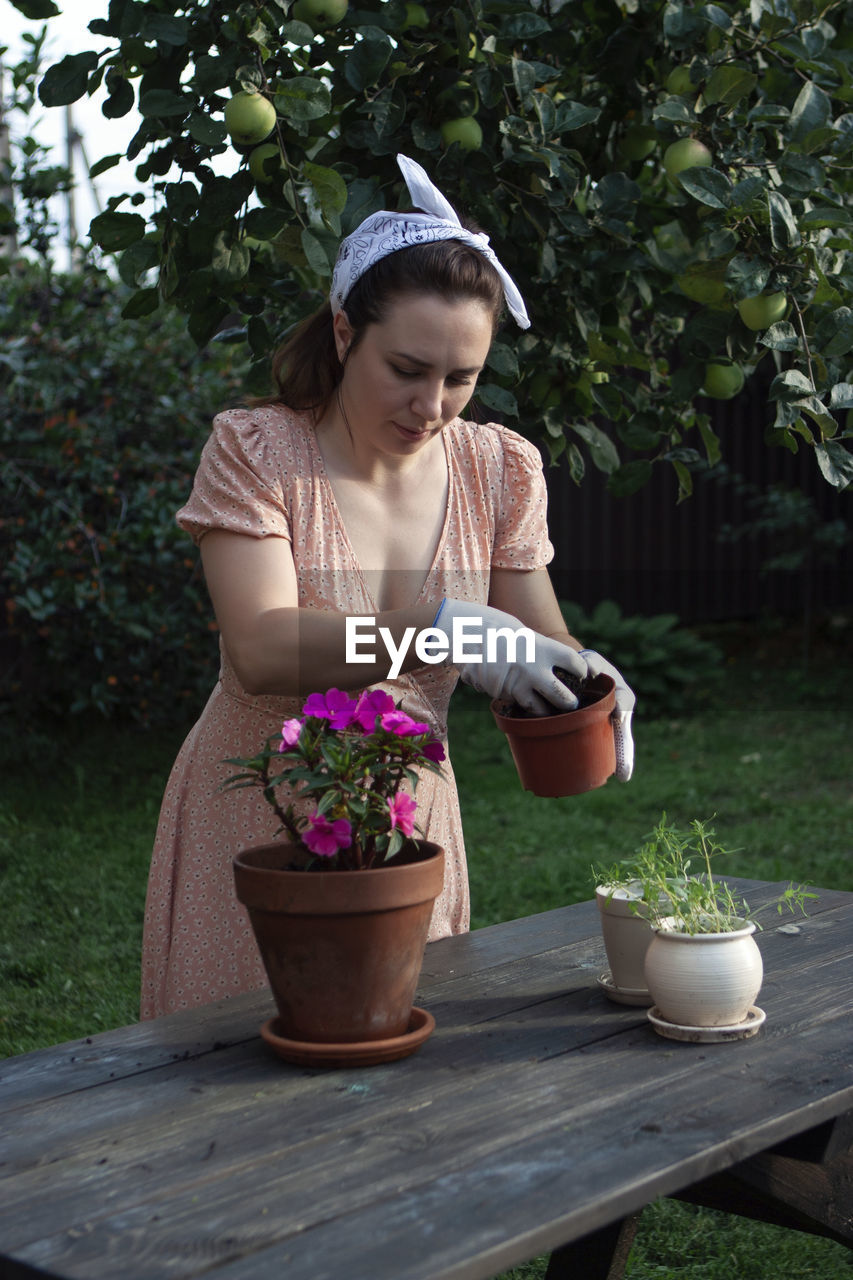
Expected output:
{"points": [[414, 372]]}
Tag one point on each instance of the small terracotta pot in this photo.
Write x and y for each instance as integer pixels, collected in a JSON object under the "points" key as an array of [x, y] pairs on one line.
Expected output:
{"points": [[342, 949], [567, 753]]}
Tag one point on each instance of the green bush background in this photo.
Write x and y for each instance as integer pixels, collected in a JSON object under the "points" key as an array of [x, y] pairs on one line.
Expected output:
{"points": [[101, 425]]}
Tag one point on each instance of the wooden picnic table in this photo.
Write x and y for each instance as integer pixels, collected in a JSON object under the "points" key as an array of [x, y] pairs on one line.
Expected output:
{"points": [[538, 1117]]}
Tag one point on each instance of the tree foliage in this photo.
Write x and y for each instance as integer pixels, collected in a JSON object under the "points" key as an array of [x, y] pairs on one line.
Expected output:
{"points": [[633, 273]]}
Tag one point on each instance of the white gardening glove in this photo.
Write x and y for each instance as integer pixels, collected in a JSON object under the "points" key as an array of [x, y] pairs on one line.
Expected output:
{"points": [[623, 711], [519, 668]]}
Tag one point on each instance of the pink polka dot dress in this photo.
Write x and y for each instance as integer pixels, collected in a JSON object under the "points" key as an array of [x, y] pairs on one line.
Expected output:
{"points": [[261, 474]]}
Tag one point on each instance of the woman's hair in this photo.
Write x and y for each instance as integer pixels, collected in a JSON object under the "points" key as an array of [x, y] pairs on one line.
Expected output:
{"points": [[306, 369]]}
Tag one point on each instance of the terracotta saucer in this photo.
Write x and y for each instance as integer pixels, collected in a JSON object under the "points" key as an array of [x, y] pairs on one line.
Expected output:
{"points": [[623, 995], [364, 1053], [707, 1035]]}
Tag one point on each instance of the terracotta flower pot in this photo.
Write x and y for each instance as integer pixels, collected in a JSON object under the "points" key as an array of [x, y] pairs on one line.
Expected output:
{"points": [[342, 949], [567, 753]]}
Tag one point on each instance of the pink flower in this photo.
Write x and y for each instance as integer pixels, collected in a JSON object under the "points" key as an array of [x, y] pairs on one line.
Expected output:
{"points": [[325, 837], [370, 705], [334, 705], [402, 808], [434, 751], [401, 724], [290, 732]]}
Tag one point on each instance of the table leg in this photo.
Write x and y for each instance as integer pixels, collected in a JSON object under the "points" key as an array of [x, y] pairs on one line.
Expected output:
{"points": [[602, 1255], [804, 1183]]}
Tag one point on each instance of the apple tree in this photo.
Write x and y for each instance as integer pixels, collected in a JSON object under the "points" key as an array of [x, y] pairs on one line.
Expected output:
{"points": [[670, 183]]}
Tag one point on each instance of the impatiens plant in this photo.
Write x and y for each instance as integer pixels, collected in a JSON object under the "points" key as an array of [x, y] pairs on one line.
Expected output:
{"points": [[351, 766]]}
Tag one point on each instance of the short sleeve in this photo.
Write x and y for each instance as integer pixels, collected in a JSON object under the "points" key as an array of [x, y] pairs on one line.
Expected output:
{"points": [[238, 484], [521, 533]]}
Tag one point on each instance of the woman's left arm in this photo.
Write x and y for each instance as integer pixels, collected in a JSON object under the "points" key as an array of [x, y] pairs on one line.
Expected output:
{"points": [[529, 596]]}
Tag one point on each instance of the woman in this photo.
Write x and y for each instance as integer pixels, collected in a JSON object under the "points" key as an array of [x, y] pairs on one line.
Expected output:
{"points": [[358, 493]]}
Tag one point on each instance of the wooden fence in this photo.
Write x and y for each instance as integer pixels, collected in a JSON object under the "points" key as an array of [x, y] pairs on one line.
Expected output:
{"points": [[652, 555]]}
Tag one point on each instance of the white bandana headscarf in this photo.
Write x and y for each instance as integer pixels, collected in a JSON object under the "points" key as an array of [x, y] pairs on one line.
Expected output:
{"points": [[386, 232]]}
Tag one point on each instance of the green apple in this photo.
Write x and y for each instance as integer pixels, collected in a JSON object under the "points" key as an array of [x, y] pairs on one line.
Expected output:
{"points": [[678, 81], [762, 309], [319, 13], [416, 16], [723, 379], [249, 118], [260, 170], [638, 142], [686, 153], [465, 130]]}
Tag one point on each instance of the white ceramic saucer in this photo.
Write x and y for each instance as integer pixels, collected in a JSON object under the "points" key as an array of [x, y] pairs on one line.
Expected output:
{"points": [[707, 1035], [623, 995]]}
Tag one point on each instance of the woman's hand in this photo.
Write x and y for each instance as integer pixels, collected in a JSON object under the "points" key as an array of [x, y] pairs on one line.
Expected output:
{"points": [[505, 659]]}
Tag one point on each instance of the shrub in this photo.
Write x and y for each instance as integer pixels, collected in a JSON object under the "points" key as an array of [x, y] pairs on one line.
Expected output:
{"points": [[669, 667], [101, 424]]}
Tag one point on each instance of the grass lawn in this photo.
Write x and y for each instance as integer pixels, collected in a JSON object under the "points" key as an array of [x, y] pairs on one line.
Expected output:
{"points": [[770, 754]]}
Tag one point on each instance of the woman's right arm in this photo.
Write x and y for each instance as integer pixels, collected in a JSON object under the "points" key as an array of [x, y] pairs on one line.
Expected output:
{"points": [[275, 646]]}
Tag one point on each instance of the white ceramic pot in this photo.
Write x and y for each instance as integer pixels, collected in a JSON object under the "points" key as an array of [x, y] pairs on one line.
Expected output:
{"points": [[704, 979], [627, 934]]}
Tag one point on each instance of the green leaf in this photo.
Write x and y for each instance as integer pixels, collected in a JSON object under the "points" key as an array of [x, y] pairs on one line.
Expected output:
{"points": [[105, 163], [142, 303], [497, 398], [707, 185], [573, 115], [365, 63], [330, 190], [836, 463], [826, 216], [36, 10], [121, 97], [790, 385], [141, 257], [166, 29], [163, 103], [65, 82], [781, 337], [746, 276], [629, 477], [524, 79], [710, 441], [265, 223], [601, 448], [302, 98], [523, 26], [114, 231], [202, 128], [230, 261], [834, 334], [812, 109], [784, 231], [503, 360], [841, 396], [727, 85], [315, 254]]}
